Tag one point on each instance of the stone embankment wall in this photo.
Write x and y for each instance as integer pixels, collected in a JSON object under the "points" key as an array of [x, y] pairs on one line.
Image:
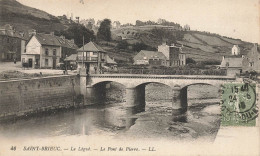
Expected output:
{"points": [[20, 97]]}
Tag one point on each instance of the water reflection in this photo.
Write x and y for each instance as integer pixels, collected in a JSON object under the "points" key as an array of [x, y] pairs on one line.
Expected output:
{"points": [[156, 120], [73, 122]]}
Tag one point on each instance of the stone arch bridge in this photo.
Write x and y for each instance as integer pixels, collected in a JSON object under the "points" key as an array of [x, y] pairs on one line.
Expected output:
{"points": [[93, 86]]}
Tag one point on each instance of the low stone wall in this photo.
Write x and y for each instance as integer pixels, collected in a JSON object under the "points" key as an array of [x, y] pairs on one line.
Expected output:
{"points": [[20, 97]]}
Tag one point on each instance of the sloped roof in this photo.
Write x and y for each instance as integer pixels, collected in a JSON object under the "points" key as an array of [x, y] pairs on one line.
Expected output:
{"points": [[7, 30], [48, 39], [234, 62], [91, 46], [72, 57], [150, 55], [233, 56], [110, 61]]}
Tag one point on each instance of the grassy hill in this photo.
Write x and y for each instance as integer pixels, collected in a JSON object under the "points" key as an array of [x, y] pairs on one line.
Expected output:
{"points": [[200, 46], [24, 18]]}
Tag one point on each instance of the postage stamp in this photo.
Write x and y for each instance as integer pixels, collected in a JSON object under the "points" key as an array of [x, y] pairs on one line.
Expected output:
{"points": [[238, 104]]}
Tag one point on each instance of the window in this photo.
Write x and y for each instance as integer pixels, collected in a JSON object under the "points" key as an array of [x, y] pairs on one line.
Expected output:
{"points": [[54, 52], [46, 51], [251, 64], [24, 50], [46, 62], [227, 64]]}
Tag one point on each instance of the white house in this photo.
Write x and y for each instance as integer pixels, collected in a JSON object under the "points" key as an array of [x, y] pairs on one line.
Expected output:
{"points": [[46, 50], [235, 50]]}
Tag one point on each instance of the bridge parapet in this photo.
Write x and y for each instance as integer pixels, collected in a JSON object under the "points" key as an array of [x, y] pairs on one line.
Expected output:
{"points": [[134, 80]]}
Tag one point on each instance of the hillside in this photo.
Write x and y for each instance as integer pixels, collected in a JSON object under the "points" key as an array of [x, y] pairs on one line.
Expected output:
{"points": [[24, 18], [200, 46]]}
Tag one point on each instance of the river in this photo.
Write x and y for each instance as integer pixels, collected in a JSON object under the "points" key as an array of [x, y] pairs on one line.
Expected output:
{"points": [[154, 120]]}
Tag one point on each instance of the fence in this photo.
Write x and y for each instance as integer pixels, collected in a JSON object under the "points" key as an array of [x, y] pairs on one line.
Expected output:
{"points": [[168, 71]]}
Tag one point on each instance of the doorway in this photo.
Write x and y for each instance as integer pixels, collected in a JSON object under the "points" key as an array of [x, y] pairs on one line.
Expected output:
{"points": [[54, 63], [30, 63]]}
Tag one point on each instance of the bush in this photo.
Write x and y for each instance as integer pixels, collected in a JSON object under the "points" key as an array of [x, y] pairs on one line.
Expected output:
{"points": [[122, 44], [190, 61]]}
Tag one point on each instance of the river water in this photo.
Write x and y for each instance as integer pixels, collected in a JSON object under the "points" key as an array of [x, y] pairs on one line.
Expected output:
{"points": [[156, 120]]}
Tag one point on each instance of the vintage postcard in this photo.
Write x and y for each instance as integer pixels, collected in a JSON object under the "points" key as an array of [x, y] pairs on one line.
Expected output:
{"points": [[129, 77]]}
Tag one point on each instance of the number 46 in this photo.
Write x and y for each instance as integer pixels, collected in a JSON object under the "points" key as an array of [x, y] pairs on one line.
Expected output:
{"points": [[13, 148]]}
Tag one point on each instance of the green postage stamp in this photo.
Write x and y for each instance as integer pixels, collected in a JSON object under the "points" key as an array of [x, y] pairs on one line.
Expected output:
{"points": [[238, 104]]}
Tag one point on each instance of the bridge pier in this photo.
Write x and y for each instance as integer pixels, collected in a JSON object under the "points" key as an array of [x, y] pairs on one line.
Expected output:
{"points": [[179, 100], [135, 96], [94, 95]]}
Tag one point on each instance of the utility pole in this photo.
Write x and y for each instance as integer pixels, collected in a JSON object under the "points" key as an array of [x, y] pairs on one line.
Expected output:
{"points": [[83, 51]]}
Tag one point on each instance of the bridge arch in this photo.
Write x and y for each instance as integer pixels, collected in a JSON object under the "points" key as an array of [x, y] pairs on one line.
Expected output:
{"points": [[149, 82], [191, 84], [106, 82]]}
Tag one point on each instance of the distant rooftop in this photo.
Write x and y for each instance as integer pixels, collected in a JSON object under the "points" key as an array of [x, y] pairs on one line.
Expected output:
{"points": [[92, 47], [50, 39], [151, 54], [8, 30]]}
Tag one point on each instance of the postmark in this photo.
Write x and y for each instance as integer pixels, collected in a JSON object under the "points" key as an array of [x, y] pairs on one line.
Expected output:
{"points": [[238, 104]]}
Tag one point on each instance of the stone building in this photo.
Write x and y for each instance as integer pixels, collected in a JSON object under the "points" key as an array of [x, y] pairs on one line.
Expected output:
{"points": [[116, 25], [12, 43], [153, 58], [174, 54], [91, 57], [233, 63], [237, 63], [46, 50], [252, 59]]}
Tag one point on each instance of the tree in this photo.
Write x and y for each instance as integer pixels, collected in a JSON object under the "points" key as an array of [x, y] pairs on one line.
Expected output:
{"points": [[139, 23], [190, 61], [89, 25], [104, 32], [122, 45], [76, 32]]}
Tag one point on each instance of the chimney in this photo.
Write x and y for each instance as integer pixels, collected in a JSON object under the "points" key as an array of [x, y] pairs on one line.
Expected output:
{"points": [[32, 32], [21, 34], [52, 33], [11, 32]]}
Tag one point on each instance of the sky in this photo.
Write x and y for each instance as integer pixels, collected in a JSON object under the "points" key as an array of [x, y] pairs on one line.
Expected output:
{"points": [[232, 18]]}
